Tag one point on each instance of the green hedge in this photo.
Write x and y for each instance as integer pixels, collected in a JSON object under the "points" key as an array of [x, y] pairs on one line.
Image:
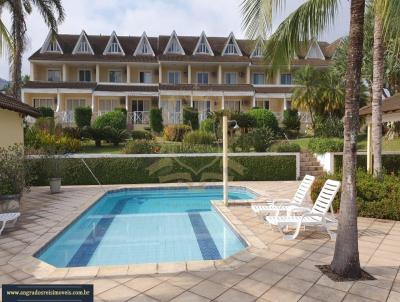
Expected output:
{"points": [[156, 170], [391, 163]]}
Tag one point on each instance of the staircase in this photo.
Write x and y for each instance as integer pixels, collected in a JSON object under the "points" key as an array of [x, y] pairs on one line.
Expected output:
{"points": [[309, 165]]}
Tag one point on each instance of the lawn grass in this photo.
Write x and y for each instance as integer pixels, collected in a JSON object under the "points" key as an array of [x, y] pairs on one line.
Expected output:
{"points": [[88, 147]]}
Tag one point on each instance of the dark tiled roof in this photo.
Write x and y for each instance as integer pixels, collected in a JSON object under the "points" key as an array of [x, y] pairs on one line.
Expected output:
{"points": [[127, 88], [389, 105], [9, 103], [278, 89], [210, 87], [129, 44], [70, 85]]}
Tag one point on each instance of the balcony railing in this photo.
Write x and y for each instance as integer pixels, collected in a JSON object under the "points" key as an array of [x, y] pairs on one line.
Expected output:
{"points": [[172, 117], [65, 117], [139, 117]]}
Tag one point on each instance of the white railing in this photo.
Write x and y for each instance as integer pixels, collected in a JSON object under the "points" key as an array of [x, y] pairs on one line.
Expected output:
{"points": [[139, 117], [65, 117], [172, 117], [203, 115]]}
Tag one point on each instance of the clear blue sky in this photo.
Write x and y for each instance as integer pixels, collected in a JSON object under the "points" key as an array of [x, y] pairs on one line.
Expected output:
{"points": [[132, 17]]}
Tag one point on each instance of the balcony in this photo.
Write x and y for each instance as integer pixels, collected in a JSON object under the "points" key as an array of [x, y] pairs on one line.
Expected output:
{"points": [[65, 117], [172, 118], [139, 117]]}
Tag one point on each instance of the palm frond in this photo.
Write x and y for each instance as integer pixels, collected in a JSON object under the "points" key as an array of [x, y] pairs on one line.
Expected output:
{"points": [[308, 21], [47, 9], [6, 42], [390, 12], [258, 15]]}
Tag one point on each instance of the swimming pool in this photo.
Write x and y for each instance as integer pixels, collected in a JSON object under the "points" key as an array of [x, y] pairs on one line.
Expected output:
{"points": [[148, 226]]}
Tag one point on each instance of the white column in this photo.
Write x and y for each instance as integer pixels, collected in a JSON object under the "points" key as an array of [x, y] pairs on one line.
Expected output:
{"points": [[128, 73], [160, 73], [248, 75], [284, 103], [278, 77], [93, 103], [58, 102], [225, 158], [223, 102], [220, 74], [64, 73], [190, 74], [97, 73], [191, 99], [369, 149], [32, 72], [254, 101], [22, 96]]}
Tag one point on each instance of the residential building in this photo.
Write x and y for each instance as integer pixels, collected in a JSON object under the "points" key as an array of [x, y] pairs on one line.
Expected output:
{"points": [[170, 72]]}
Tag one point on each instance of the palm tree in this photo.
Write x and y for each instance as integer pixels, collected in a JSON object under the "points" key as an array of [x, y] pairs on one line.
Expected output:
{"points": [[308, 21], [306, 96], [19, 9], [5, 39]]}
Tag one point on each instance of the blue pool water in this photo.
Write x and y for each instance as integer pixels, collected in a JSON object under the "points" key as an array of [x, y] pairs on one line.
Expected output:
{"points": [[147, 226]]}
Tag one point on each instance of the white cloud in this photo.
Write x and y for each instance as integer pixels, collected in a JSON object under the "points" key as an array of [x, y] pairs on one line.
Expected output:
{"points": [[132, 17]]}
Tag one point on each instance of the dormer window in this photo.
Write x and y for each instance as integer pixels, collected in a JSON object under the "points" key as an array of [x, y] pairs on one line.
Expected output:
{"points": [[144, 47], [231, 47], [174, 46], [203, 47], [113, 46], [315, 52], [83, 46], [258, 51], [53, 47]]}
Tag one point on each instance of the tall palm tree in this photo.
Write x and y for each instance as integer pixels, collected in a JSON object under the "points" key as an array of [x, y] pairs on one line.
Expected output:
{"points": [[52, 13], [308, 21]]}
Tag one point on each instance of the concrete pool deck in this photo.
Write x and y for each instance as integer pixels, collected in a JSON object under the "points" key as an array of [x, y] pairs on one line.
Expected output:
{"points": [[269, 270]]}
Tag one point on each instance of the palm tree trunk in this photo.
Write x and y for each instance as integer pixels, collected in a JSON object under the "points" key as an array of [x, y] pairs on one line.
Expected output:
{"points": [[377, 88], [18, 35], [346, 262]]}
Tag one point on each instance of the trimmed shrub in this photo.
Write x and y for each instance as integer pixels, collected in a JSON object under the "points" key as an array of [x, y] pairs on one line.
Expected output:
{"points": [[158, 170], [46, 111], [113, 119], [328, 127], [96, 134], [245, 121], [72, 132], [156, 120], [140, 146], [208, 125], [115, 136], [376, 198], [265, 119], [286, 147], [46, 124], [191, 117], [83, 116], [323, 145], [140, 134], [259, 139], [199, 138], [390, 163], [41, 140], [175, 133], [123, 110], [291, 120]]}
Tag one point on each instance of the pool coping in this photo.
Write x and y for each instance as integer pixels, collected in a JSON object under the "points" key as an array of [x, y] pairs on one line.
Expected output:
{"points": [[27, 261]]}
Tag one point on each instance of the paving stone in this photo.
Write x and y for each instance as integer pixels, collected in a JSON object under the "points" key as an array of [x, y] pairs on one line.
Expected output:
{"points": [[189, 297], [119, 294], [324, 293], [164, 292], [209, 289], [294, 285], [276, 294], [142, 284], [252, 287], [369, 291], [233, 295]]}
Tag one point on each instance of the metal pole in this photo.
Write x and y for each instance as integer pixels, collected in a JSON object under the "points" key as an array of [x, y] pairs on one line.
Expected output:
{"points": [[225, 157]]}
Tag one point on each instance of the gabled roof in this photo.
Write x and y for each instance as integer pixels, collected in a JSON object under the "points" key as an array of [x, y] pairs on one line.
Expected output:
{"points": [[52, 37], [203, 41], [174, 39], [314, 51], [10, 103], [391, 104], [144, 44], [82, 39], [231, 41], [107, 50]]}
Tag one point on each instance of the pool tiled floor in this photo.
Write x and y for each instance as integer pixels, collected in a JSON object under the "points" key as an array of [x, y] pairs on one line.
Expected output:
{"points": [[270, 270]]}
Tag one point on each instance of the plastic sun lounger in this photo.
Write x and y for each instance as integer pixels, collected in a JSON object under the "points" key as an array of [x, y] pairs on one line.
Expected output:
{"points": [[316, 216], [6, 217], [297, 200]]}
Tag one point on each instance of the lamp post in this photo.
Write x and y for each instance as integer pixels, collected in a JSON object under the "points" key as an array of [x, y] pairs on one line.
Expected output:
{"points": [[225, 175]]}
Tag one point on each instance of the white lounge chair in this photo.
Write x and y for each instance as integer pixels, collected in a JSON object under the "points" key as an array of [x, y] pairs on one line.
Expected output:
{"points": [[6, 217], [297, 200], [317, 216]]}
